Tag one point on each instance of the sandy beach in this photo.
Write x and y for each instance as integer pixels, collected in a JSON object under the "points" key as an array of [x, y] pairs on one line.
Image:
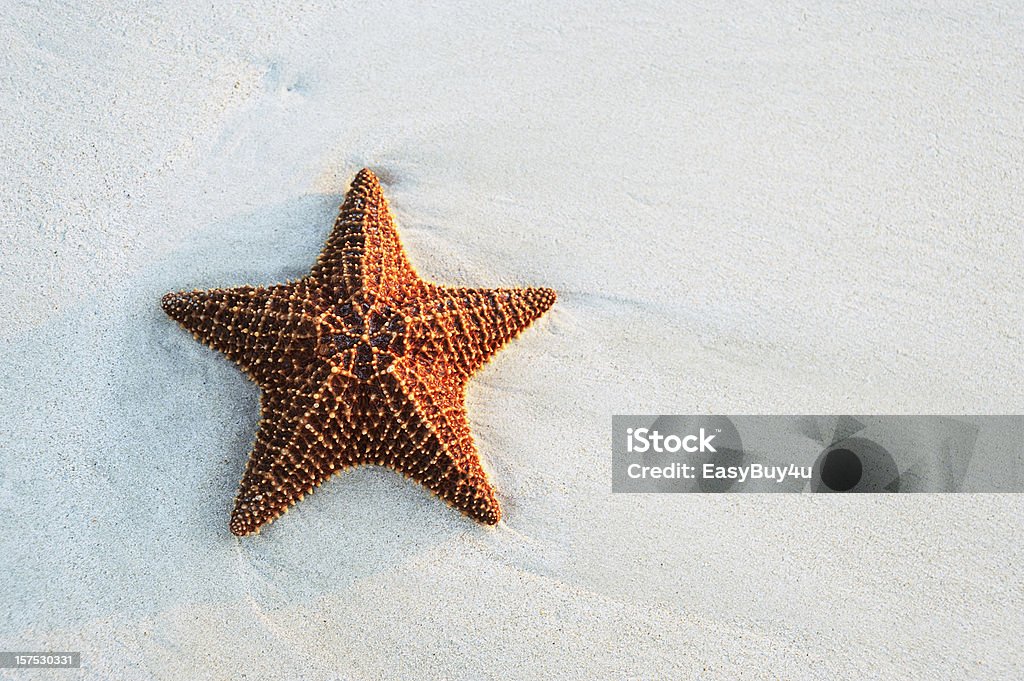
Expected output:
{"points": [[744, 210]]}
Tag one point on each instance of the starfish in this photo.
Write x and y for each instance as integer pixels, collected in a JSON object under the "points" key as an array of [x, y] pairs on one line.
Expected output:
{"points": [[359, 362]]}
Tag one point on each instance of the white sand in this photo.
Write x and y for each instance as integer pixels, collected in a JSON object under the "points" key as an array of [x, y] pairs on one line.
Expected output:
{"points": [[743, 210]]}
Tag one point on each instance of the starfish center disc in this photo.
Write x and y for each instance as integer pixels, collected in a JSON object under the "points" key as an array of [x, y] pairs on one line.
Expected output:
{"points": [[361, 339]]}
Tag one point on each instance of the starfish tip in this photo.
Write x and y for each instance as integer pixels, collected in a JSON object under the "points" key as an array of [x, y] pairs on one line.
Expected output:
{"points": [[545, 297], [174, 303], [365, 179], [242, 527]]}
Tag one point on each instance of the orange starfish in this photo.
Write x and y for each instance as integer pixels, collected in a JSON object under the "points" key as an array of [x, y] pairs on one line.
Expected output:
{"points": [[359, 362]]}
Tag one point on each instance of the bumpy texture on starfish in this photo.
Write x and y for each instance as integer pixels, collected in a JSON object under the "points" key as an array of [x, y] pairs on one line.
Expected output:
{"points": [[359, 362]]}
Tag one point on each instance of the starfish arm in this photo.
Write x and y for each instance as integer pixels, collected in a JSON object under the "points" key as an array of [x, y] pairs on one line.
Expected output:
{"points": [[363, 254], [262, 329], [462, 328], [305, 438], [447, 462], [275, 476]]}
